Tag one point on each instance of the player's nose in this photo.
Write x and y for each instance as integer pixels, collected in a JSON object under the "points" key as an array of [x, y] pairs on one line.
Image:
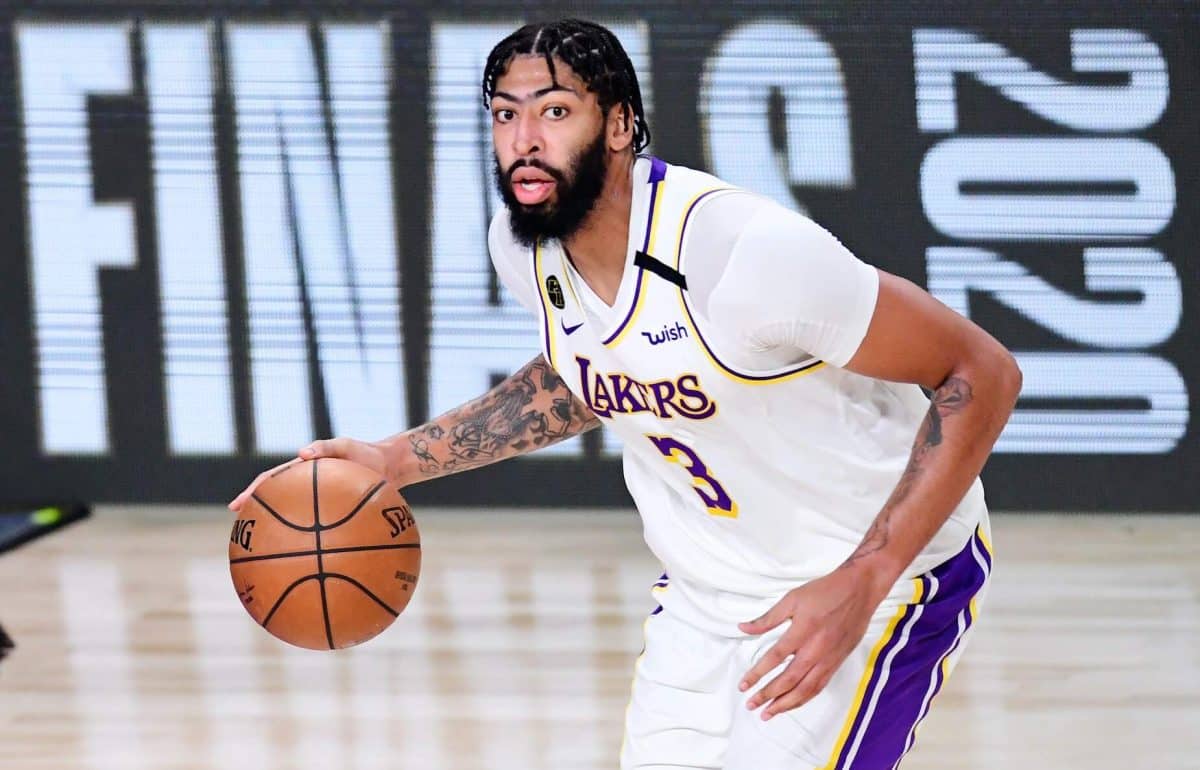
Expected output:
{"points": [[527, 138]]}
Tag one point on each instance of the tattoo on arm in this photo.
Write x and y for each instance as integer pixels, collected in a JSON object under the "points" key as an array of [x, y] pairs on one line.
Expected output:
{"points": [[531, 409], [951, 397]]}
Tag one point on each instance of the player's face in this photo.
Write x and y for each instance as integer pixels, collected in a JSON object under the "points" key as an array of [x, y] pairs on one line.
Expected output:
{"points": [[551, 153]]}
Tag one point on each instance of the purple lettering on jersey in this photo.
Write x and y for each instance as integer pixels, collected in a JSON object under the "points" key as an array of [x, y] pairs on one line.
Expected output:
{"points": [[643, 390], [606, 394], [585, 366], [704, 408], [622, 387], [600, 397], [663, 391]]}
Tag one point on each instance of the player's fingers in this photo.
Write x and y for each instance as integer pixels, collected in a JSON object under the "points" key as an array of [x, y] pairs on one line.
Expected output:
{"points": [[329, 447], [778, 653], [314, 450], [791, 675], [802, 692], [768, 620], [236, 504]]}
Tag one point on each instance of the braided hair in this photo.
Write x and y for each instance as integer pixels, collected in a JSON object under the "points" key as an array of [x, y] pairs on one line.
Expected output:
{"points": [[591, 51]]}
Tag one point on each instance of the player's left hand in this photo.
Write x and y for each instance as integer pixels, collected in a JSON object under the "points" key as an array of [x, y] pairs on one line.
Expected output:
{"points": [[829, 616]]}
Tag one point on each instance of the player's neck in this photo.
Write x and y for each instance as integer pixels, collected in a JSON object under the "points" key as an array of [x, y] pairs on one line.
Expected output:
{"points": [[598, 247]]}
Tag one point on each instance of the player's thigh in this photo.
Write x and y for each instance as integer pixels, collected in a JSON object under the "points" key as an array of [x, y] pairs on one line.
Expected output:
{"points": [[682, 700], [866, 717]]}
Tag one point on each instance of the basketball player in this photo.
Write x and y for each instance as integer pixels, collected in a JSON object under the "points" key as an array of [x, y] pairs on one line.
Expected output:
{"points": [[821, 520]]}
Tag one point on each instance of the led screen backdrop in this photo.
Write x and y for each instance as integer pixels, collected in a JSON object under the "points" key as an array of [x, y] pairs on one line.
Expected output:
{"points": [[236, 227]]}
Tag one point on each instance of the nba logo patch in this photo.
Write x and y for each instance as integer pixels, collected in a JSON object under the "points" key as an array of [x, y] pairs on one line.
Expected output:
{"points": [[554, 292]]}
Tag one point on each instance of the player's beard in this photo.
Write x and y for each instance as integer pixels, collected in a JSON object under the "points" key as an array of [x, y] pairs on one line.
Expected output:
{"points": [[575, 193]]}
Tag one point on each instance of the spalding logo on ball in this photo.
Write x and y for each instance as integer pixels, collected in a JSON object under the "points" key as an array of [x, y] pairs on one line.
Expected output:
{"points": [[325, 554]]}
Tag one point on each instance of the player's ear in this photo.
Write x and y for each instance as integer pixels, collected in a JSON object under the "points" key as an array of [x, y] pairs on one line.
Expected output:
{"points": [[620, 127]]}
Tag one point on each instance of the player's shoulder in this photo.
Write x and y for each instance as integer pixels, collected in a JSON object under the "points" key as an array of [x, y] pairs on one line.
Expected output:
{"points": [[731, 213], [711, 198], [691, 182]]}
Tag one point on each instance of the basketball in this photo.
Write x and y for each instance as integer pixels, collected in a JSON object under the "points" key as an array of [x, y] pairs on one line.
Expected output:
{"points": [[325, 555]]}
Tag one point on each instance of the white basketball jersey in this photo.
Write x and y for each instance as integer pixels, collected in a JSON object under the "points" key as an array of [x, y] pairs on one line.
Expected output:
{"points": [[747, 482]]}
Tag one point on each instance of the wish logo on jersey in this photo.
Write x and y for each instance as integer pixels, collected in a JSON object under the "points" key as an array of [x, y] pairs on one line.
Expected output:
{"points": [[606, 394], [668, 334]]}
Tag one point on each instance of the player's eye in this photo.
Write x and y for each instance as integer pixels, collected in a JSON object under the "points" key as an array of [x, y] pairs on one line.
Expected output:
{"points": [[556, 112], [503, 115]]}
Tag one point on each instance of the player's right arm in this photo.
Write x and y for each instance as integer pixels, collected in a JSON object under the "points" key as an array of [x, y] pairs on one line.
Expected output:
{"points": [[529, 410]]}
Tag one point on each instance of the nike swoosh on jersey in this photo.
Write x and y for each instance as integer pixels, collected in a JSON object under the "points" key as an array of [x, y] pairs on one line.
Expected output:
{"points": [[569, 330]]}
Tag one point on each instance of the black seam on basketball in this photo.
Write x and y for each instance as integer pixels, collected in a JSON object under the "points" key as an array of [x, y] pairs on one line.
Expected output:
{"points": [[286, 468], [282, 520], [316, 505], [266, 621], [365, 590], [325, 611], [324, 552], [366, 499], [320, 562]]}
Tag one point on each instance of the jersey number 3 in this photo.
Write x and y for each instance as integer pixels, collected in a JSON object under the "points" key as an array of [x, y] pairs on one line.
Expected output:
{"points": [[709, 489]]}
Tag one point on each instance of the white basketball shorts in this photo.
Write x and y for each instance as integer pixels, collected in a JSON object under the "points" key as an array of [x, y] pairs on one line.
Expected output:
{"points": [[686, 711]]}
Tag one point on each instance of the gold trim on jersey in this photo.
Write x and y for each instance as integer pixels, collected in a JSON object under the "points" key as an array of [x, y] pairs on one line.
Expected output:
{"points": [[639, 295], [546, 315], [791, 373]]}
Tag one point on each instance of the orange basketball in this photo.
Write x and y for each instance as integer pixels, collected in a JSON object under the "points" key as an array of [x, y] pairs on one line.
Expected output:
{"points": [[325, 555]]}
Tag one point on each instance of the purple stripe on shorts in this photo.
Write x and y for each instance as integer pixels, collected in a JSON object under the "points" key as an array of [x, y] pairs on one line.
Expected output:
{"points": [[969, 618], [939, 680], [933, 635], [660, 583], [876, 673], [983, 551]]}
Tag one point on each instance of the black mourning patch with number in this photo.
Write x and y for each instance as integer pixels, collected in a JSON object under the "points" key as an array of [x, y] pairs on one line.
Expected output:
{"points": [[554, 292]]}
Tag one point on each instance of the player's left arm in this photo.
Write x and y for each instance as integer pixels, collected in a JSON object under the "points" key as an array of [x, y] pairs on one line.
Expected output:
{"points": [[974, 381]]}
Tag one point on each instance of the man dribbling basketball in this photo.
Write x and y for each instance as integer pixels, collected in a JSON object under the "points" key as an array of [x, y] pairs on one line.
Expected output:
{"points": [[821, 520]]}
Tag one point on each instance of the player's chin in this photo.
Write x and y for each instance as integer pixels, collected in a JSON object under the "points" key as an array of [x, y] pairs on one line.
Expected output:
{"points": [[539, 216]]}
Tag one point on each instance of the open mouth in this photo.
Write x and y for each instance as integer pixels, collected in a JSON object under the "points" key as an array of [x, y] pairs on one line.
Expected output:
{"points": [[532, 193], [532, 186]]}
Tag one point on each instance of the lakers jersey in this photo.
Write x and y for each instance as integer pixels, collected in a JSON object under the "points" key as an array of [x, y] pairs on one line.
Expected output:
{"points": [[748, 482]]}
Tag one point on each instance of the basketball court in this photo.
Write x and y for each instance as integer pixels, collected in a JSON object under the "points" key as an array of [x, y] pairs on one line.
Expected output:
{"points": [[516, 652]]}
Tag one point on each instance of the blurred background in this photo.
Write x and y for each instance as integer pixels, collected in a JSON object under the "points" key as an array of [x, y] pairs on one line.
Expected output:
{"points": [[236, 226]]}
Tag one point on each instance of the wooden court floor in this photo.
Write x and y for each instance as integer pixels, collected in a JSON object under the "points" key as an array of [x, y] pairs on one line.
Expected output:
{"points": [[134, 653]]}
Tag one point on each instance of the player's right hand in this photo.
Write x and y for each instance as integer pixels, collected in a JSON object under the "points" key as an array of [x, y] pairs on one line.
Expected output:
{"points": [[361, 452]]}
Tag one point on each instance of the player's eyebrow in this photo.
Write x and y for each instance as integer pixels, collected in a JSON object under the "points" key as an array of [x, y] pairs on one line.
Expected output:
{"points": [[536, 94]]}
